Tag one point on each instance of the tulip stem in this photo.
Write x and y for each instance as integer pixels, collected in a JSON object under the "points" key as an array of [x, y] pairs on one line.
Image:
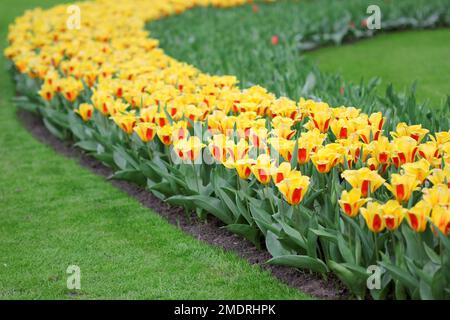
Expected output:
{"points": [[149, 151], [196, 176], [169, 155], [376, 246], [270, 198]]}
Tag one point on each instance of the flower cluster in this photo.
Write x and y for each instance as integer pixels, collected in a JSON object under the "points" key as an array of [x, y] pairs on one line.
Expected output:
{"points": [[147, 93]]}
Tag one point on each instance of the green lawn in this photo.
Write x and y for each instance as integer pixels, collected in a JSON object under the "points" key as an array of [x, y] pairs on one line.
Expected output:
{"points": [[56, 213], [399, 58]]}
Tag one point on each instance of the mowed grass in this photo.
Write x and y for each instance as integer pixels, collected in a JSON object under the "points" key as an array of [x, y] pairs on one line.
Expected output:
{"points": [[55, 213], [399, 58]]}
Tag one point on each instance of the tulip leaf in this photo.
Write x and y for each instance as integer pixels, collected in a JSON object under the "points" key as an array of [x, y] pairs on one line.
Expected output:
{"points": [[250, 233], [275, 247], [301, 262], [325, 234], [209, 204], [294, 235], [87, 145], [130, 175], [400, 275], [350, 278], [53, 130]]}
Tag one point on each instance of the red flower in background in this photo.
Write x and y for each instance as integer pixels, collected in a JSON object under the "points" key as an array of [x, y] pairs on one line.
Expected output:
{"points": [[275, 40]]}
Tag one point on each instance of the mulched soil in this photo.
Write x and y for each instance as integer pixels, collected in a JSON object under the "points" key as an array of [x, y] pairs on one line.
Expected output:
{"points": [[209, 231]]}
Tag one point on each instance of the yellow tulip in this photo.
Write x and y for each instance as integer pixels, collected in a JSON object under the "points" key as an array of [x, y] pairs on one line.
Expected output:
{"points": [[438, 195], [351, 202], [415, 131], [85, 110], [393, 214], [373, 215], [429, 151], [440, 217], [125, 121], [281, 172], [440, 176], [145, 130], [218, 147], [262, 168], [364, 180], [381, 150], [417, 216], [188, 149], [165, 134], [402, 186], [404, 150], [294, 187], [237, 150], [327, 157], [420, 169]]}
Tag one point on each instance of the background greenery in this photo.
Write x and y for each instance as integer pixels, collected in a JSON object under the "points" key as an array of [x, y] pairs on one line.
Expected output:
{"points": [[55, 214], [238, 41], [399, 58]]}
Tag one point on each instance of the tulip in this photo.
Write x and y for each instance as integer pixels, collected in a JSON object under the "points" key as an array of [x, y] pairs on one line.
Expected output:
{"points": [[47, 92], [294, 187], [125, 121], [438, 195], [283, 146], [373, 215], [429, 151], [393, 214], [327, 157], [440, 217], [165, 134], [402, 186], [420, 169], [237, 150], [415, 131], [364, 180], [85, 110], [441, 137], [351, 202], [440, 176], [376, 120], [341, 128], [404, 150], [381, 150], [417, 216], [281, 172], [262, 168], [145, 130], [321, 120], [217, 147], [243, 167], [188, 149]]}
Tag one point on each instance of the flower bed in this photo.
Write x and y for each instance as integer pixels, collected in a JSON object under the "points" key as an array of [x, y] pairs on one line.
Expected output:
{"points": [[326, 187]]}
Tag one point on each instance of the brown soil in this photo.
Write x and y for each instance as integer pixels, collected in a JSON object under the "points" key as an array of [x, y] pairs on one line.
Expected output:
{"points": [[209, 231]]}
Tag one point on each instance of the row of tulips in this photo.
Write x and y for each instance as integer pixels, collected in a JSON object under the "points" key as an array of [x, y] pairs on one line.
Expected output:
{"points": [[265, 166]]}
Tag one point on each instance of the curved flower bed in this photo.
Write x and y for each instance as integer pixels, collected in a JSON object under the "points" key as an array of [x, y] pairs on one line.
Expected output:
{"points": [[327, 187]]}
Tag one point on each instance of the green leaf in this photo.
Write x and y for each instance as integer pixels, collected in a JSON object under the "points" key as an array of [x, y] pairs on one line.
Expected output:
{"points": [[88, 145], [53, 129], [294, 235], [401, 275], [209, 204], [275, 247], [301, 262], [356, 283], [130, 175]]}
